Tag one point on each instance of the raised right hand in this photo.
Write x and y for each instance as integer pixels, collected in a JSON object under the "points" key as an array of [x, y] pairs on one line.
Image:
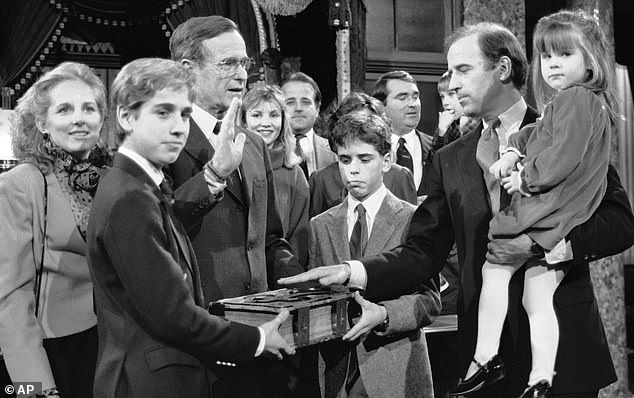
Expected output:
{"points": [[275, 343], [228, 145]]}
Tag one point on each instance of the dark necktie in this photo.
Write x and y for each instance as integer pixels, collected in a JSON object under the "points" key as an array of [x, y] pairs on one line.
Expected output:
{"points": [[217, 127], [403, 157], [359, 237], [358, 242], [487, 153], [166, 188], [300, 152]]}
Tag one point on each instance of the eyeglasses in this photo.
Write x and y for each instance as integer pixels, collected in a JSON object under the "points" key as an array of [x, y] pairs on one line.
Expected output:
{"points": [[232, 64]]}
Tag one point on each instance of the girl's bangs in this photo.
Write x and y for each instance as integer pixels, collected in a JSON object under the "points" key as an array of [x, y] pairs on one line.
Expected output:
{"points": [[556, 38]]}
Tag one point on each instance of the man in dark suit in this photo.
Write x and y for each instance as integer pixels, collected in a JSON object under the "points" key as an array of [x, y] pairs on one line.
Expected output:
{"points": [[399, 93], [239, 243], [156, 337], [303, 99], [487, 81]]}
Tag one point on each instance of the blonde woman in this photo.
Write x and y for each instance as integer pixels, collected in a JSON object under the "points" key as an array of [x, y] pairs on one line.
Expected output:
{"points": [[263, 113], [44, 205]]}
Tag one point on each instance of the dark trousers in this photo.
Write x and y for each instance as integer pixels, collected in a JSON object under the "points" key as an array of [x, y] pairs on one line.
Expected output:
{"points": [[73, 359]]}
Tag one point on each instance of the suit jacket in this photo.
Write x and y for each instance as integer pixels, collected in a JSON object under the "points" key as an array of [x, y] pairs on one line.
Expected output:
{"points": [[404, 350], [239, 243], [327, 190], [155, 335], [457, 209], [323, 154], [66, 305]]}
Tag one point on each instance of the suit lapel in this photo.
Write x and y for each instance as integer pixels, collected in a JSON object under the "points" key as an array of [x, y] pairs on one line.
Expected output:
{"points": [[337, 229], [197, 145], [384, 225], [135, 170]]}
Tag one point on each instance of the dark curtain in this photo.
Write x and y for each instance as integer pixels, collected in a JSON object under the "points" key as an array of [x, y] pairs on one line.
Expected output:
{"points": [[239, 11], [25, 25]]}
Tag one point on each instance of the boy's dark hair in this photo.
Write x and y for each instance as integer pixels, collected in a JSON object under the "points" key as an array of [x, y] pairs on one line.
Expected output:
{"points": [[361, 126], [355, 101]]}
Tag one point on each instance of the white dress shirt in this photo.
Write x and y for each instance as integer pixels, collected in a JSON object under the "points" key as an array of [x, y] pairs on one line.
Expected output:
{"points": [[308, 148], [415, 148]]}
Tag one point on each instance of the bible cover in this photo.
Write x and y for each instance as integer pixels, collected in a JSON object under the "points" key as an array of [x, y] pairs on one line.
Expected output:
{"points": [[316, 314]]}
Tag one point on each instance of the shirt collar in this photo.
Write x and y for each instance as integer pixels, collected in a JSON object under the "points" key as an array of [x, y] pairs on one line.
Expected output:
{"points": [[511, 118], [205, 120], [155, 174], [372, 203]]}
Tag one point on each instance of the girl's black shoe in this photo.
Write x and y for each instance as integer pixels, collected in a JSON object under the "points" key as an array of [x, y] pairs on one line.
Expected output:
{"points": [[486, 374], [537, 390]]}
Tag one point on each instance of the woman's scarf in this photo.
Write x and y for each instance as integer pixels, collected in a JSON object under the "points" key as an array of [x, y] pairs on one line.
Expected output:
{"points": [[78, 179]]}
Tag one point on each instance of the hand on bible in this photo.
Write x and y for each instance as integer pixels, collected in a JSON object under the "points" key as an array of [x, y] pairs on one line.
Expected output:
{"points": [[372, 315], [275, 343], [326, 275]]}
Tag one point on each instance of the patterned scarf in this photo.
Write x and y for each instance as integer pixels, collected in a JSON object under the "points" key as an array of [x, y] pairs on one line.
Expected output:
{"points": [[78, 179]]}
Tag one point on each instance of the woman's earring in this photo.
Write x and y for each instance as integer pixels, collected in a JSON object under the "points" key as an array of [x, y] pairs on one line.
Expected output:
{"points": [[45, 135]]}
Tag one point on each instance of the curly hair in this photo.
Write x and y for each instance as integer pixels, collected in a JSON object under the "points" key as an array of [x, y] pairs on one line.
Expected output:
{"points": [[267, 93], [27, 140]]}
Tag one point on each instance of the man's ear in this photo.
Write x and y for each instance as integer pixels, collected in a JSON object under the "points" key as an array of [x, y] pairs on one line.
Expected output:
{"points": [[505, 66], [124, 118]]}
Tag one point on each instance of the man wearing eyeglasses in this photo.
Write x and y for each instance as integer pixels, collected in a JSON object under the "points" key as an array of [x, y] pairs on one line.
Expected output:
{"points": [[238, 244]]}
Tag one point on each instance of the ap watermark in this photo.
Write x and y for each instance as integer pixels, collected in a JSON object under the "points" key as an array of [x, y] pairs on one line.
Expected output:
{"points": [[22, 389]]}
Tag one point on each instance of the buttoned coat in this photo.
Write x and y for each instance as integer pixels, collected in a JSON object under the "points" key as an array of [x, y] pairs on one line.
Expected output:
{"points": [[396, 365]]}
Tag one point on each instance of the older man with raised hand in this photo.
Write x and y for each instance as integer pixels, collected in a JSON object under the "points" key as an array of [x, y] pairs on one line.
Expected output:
{"points": [[488, 70], [239, 242]]}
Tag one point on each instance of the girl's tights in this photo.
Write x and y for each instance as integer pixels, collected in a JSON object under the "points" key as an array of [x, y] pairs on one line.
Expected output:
{"points": [[539, 287]]}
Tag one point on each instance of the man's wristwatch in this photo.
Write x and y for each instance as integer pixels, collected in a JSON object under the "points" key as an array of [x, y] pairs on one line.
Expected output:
{"points": [[536, 249], [382, 328]]}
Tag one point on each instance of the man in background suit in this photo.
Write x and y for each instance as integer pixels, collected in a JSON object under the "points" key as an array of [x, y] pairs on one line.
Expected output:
{"points": [[488, 70], [303, 99], [326, 186], [398, 92], [362, 142], [156, 337], [239, 243]]}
